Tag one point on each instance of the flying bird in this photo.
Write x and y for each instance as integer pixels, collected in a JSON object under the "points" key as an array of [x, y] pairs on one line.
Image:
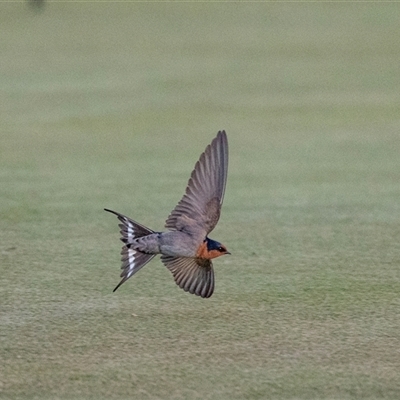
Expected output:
{"points": [[185, 248]]}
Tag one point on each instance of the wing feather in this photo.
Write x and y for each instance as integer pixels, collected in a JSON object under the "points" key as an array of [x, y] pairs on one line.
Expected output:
{"points": [[200, 207], [193, 275]]}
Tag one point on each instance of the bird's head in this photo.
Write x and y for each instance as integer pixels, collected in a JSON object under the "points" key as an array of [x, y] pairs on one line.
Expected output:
{"points": [[215, 249]]}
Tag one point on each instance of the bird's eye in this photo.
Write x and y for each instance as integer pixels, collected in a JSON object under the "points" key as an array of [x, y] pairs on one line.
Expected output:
{"points": [[221, 249]]}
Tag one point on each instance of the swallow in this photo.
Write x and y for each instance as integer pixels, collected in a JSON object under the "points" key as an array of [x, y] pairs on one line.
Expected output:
{"points": [[185, 248]]}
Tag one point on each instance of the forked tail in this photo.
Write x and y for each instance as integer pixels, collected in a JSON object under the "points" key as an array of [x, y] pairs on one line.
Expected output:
{"points": [[132, 260]]}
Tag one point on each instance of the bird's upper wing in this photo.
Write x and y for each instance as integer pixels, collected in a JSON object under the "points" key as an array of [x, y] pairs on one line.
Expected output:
{"points": [[193, 275], [200, 207]]}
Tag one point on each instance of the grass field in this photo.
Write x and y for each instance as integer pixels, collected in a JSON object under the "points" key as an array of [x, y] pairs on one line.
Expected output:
{"points": [[110, 105]]}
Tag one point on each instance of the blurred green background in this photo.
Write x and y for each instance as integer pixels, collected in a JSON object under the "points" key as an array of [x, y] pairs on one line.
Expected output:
{"points": [[110, 105]]}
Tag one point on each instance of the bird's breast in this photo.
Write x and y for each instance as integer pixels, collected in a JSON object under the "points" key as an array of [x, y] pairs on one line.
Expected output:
{"points": [[202, 251]]}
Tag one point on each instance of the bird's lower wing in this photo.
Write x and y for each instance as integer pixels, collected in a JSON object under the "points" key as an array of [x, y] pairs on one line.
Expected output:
{"points": [[132, 261], [193, 275]]}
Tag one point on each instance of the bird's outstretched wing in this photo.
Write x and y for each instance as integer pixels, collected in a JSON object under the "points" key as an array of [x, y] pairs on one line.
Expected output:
{"points": [[199, 210], [193, 275]]}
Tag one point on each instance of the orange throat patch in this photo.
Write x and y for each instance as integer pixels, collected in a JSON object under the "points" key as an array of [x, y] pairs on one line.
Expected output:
{"points": [[203, 252]]}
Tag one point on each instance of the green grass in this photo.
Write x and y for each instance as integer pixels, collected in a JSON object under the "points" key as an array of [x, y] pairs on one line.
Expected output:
{"points": [[110, 105]]}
